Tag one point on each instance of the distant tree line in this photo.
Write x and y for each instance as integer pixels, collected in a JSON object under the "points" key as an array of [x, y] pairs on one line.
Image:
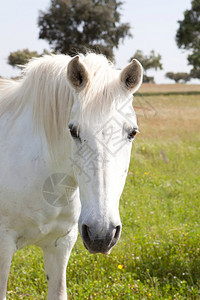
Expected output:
{"points": [[153, 61], [76, 26], [180, 76]]}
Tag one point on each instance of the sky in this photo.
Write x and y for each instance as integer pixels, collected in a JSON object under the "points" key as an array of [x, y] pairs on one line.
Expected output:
{"points": [[154, 24]]}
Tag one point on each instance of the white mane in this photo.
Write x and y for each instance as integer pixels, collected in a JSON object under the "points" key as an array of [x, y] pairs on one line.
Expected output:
{"points": [[44, 86]]}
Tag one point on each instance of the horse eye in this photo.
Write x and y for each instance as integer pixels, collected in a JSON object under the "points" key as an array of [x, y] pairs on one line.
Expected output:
{"points": [[132, 134], [74, 131]]}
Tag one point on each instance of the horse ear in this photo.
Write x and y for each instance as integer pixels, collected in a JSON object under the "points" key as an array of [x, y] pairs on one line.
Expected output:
{"points": [[77, 74], [131, 76]]}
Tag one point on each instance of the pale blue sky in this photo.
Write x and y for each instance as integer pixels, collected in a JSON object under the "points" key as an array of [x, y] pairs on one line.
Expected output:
{"points": [[153, 25]]}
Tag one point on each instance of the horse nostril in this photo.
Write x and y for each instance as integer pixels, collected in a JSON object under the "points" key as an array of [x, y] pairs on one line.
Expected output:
{"points": [[85, 235], [98, 243], [117, 232]]}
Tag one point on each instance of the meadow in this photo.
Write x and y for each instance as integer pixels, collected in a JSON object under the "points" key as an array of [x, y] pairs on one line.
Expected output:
{"points": [[158, 255]]}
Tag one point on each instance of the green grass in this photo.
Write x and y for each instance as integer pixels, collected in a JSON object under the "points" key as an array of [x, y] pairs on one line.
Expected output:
{"points": [[158, 255]]}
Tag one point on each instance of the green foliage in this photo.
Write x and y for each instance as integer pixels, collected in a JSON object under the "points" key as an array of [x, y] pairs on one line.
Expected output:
{"points": [[195, 73], [151, 61], [75, 26], [22, 57], [194, 60], [188, 36], [148, 79], [180, 76]]}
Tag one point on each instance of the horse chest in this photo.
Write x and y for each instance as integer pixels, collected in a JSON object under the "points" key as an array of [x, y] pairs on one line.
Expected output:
{"points": [[47, 226]]}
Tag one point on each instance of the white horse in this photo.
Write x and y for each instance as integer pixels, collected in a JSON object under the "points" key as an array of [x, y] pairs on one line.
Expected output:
{"points": [[65, 142]]}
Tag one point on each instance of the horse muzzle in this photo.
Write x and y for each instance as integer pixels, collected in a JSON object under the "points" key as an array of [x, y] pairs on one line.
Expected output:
{"points": [[96, 243]]}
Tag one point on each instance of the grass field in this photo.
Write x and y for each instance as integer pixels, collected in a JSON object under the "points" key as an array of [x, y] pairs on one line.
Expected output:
{"points": [[167, 88], [158, 255]]}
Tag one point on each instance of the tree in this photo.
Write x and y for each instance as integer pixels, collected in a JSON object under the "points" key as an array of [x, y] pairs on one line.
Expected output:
{"points": [[188, 36], [152, 61], [181, 76], [73, 26], [22, 57], [148, 79]]}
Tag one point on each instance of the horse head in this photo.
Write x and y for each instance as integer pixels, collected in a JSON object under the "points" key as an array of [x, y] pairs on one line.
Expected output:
{"points": [[102, 127]]}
